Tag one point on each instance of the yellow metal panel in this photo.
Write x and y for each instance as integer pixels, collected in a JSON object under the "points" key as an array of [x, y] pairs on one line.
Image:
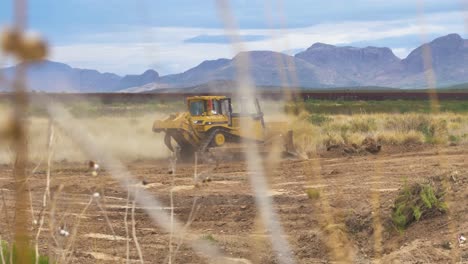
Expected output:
{"points": [[206, 97], [254, 129]]}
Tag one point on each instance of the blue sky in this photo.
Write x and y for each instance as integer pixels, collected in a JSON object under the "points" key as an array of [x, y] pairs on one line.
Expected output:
{"points": [[171, 36]]}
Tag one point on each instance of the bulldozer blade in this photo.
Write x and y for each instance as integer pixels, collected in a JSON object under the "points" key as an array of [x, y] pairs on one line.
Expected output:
{"points": [[167, 141]]}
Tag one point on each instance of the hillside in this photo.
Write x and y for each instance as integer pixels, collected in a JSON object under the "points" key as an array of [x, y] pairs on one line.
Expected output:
{"points": [[319, 66], [59, 77], [326, 66]]}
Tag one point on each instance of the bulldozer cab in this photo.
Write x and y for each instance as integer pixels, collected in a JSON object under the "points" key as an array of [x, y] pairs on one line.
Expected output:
{"points": [[221, 108], [209, 106]]}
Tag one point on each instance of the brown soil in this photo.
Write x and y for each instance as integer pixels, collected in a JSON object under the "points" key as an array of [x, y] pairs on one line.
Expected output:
{"points": [[356, 196]]}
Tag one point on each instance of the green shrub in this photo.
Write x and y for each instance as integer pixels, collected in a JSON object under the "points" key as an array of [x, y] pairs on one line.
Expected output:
{"points": [[417, 202], [417, 212], [399, 218], [428, 197]]}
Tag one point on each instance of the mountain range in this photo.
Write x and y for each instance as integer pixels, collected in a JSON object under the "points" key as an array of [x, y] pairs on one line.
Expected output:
{"points": [[319, 66], [52, 76]]}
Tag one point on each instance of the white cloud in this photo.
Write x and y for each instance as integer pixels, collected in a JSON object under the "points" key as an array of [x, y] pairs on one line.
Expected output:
{"points": [[138, 57], [137, 49], [401, 52]]}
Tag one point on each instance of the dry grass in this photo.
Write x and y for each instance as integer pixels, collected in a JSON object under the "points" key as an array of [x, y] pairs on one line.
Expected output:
{"points": [[314, 132], [127, 138]]}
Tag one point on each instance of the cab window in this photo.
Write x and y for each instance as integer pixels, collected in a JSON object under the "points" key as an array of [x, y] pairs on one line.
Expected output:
{"points": [[197, 108], [216, 108], [225, 107]]}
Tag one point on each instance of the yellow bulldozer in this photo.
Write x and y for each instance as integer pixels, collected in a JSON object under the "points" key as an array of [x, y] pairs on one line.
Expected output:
{"points": [[210, 122]]}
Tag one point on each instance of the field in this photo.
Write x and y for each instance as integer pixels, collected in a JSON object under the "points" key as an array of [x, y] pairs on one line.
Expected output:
{"points": [[124, 128], [335, 204]]}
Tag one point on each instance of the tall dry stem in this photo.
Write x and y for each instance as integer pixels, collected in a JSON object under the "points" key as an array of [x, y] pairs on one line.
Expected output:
{"points": [[186, 226], [20, 147], [67, 253], [171, 194], [22, 236], [127, 236], [46, 196], [245, 92], [134, 235], [50, 141]]}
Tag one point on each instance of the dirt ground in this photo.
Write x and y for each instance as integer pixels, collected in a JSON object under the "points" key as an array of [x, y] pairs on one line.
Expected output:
{"points": [[356, 194]]}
